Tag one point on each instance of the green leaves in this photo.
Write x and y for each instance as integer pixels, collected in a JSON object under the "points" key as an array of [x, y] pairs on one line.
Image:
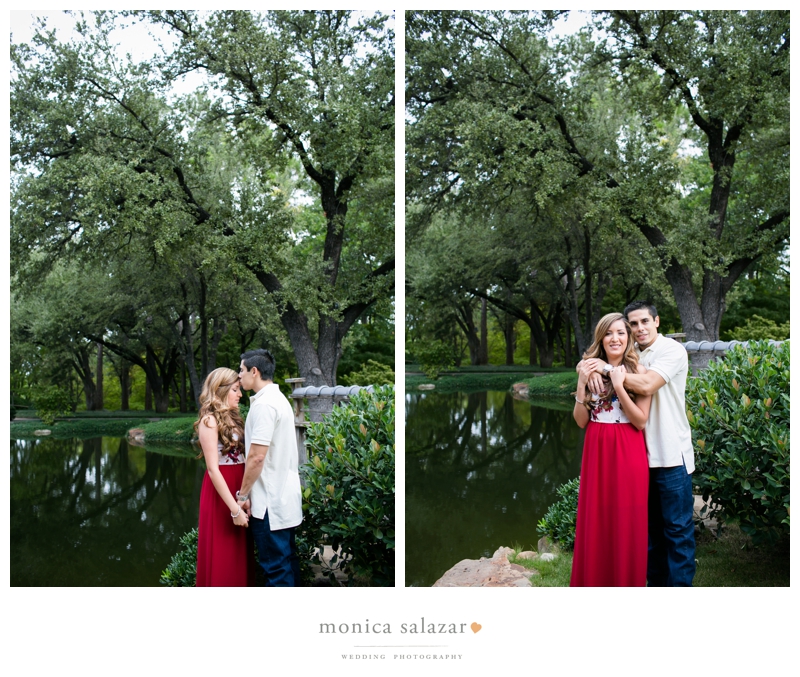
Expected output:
{"points": [[740, 426], [559, 521], [349, 480]]}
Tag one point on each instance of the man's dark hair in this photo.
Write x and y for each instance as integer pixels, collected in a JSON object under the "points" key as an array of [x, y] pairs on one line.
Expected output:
{"points": [[262, 360], [639, 305]]}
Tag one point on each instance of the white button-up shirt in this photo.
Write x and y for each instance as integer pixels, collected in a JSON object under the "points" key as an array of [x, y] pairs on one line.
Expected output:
{"points": [[271, 422], [668, 436]]}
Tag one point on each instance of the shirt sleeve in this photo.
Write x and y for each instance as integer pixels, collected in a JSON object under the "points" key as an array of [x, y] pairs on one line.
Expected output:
{"points": [[264, 425], [669, 363]]}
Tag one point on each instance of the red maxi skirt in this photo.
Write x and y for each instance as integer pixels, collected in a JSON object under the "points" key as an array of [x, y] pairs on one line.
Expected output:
{"points": [[611, 529], [224, 551]]}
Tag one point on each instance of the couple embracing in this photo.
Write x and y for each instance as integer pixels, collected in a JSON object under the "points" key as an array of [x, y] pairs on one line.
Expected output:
{"points": [[635, 503], [251, 490]]}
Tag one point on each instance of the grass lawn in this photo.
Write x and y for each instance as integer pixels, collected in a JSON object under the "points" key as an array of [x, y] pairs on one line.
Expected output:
{"points": [[730, 561]]}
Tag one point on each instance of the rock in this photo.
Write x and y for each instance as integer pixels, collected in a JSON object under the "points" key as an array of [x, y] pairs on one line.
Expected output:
{"points": [[520, 391], [528, 554], [544, 545], [136, 436], [426, 386], [496, 572], [501, 554], [547, 557], [41, 432]]}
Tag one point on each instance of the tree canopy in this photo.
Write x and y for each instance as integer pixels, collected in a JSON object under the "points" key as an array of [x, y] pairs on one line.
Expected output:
{"points": [[267, 190], [645, 154]]}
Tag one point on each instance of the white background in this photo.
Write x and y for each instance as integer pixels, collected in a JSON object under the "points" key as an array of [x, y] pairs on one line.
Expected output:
{"points": [[159, 631]]}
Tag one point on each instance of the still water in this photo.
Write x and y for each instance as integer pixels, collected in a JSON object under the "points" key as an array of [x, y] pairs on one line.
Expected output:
{"points": [[98, 512], [481, 471]]}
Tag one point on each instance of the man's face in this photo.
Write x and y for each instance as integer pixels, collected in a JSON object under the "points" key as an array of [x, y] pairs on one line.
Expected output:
{"points": [[246, 378], [644, 325]]}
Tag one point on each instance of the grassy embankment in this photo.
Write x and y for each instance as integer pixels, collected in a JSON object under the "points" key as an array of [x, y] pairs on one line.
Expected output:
{"points": [[547, 382], [174, 427], [730, 561]]}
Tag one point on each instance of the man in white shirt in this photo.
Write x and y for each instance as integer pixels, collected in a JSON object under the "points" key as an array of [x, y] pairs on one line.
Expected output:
{"points": [[270, 492], [670, 454]]}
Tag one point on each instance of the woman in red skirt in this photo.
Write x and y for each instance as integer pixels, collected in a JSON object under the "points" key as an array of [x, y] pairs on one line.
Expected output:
{"points": [[224, 544], [611, 529]]}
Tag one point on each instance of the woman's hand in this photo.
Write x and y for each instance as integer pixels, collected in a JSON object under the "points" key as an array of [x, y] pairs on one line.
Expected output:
{"points": [[618, 377], [241, 518]]}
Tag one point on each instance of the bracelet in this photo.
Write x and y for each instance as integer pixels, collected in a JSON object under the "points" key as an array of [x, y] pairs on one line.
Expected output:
{"points": [[579, 401], [237, 514]]}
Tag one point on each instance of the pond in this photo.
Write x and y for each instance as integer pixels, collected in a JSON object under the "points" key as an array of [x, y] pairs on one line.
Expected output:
{"points": [[481, 470], [98, 512]]}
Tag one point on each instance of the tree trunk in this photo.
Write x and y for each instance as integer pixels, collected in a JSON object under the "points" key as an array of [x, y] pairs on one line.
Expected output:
{"points": [[98, 401], [510, 336], [483, 356], [184, 407], [466, 321], [125, 387], [148, 395]]}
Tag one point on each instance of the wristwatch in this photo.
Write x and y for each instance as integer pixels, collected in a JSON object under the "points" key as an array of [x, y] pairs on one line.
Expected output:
{"points": [[240, 498], [607, 369]]}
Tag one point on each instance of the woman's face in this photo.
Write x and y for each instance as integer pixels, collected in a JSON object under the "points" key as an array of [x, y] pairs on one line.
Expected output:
{"points": [[234, 395], [615, 341]]}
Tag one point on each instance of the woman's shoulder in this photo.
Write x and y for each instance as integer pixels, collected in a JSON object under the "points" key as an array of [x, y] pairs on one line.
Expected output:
{"points": [[209, 420]]}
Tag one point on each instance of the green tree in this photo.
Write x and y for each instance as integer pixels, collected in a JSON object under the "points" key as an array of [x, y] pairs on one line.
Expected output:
{"points": [[105, 157], [498, 112]]}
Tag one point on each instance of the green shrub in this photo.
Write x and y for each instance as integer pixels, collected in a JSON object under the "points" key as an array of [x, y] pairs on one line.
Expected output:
{"points": [[434, 358], [739, 412], [759, 328], [181, 572], [349, 486], [372, 373], [51, 401], [558, 522]]}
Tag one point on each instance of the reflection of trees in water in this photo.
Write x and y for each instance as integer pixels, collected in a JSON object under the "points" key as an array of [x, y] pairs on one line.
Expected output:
{"points": [[481, 470], [98, 503], [466, 433]]}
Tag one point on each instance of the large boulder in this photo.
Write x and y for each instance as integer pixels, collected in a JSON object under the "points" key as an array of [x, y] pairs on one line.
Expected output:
{"points": [[496, 572]]}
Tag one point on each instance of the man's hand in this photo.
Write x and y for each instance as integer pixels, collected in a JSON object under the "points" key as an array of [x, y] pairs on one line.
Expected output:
{"points": [[246, 507], [592, 368], [618, 377]]}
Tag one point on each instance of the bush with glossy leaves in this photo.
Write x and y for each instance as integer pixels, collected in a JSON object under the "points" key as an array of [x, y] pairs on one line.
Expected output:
{"points": [[738, 409], [348, 500]]}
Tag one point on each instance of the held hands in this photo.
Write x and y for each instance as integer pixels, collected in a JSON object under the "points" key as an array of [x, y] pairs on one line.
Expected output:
{"points": [[246, 507], [618, 377], [593, 368], [241, 518]]}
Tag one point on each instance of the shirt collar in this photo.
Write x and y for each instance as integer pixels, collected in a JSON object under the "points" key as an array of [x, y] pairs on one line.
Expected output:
{"points": [[650, 347], [255, 396]]}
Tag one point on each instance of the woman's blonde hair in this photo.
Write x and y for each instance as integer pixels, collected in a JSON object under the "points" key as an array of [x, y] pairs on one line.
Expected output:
{"points": [[214, 402], [630, 359]]}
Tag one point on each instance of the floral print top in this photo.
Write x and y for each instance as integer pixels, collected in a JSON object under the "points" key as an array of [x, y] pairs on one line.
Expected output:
{"points": [[607, 411], [233, 454]]}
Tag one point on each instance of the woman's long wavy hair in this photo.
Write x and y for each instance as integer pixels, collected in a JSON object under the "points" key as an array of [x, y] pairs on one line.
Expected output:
{"points": [[630, 358], [214, 402]]}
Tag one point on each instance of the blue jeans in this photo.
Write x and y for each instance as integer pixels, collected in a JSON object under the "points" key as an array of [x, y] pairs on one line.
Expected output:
{"points": [[277, 554], [670, 555]]}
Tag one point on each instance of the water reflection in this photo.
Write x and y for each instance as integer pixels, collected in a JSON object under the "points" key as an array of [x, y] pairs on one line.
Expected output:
{"points": [[481, 470], [98, 511]]}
